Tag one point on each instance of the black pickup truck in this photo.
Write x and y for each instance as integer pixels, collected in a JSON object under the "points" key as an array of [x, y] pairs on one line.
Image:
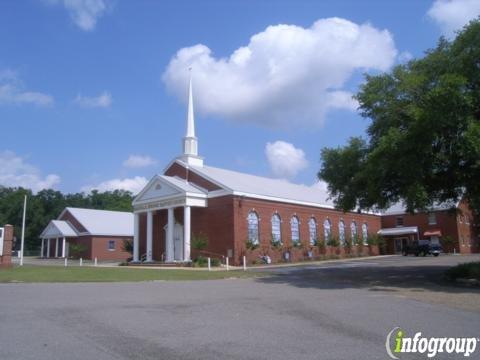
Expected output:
{"points": [[422, 247]]}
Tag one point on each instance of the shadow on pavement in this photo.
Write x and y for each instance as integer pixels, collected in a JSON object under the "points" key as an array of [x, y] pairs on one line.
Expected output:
{"points": [[381, 278]]}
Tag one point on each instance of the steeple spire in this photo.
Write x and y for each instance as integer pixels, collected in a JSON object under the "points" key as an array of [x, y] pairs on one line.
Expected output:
{"points": [[190, 142], [190, 116]]}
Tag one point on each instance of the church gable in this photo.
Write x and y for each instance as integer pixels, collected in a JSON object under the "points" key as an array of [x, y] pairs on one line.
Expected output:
{"points": [[175, 169], [157, 188]]}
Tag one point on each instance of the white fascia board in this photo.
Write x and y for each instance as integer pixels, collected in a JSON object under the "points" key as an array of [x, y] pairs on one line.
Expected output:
{"points": [[277, 199], [112, 235], [219, 193], [149, 201], [196, 202]]}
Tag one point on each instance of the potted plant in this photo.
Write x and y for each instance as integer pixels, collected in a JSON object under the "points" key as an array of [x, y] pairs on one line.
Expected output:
{"points": [[275, 242], [252, 245]]}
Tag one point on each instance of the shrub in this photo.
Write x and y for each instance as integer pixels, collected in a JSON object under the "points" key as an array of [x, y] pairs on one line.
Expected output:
{"points": [[199, 242], [333, 242], [252, 245], [464, 271], [202, 261], [276, 243], [375, 240], [77, 249], [127, 246], [297, 244]]}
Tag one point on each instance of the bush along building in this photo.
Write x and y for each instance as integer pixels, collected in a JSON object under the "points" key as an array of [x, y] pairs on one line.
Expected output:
{"points": [[193, 209]]}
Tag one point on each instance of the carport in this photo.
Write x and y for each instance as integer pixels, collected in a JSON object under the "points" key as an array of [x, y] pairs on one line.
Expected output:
{"points": [[399, 237]]}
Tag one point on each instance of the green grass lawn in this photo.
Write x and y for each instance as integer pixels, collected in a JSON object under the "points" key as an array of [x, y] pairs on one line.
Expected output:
{"points": [[31, 274]]}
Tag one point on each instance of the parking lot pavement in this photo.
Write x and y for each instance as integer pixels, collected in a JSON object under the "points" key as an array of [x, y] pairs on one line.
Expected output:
{"points": [[320, 313]]}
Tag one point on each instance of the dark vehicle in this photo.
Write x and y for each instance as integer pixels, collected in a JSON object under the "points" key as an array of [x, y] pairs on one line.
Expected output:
{"points": [[416, 248], [435, 249]]}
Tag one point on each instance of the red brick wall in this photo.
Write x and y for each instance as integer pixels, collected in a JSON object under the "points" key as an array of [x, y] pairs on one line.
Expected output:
{"points": [[6, 258], [84, 240], [100, 248], [446, 223], [177, 170], [460, 226], [265, 209], [468, 241]]}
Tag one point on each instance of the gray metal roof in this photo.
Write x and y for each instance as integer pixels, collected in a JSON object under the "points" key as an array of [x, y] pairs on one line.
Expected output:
{"points": [[263, 187], [58, 229], [104, 222]]}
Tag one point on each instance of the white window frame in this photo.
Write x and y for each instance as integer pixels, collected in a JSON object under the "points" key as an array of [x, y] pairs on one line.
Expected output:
{"points": [[276, 222], [294, 221], [255, 240], [327, 230], [114, 245], [312, 225], [341, 233]]}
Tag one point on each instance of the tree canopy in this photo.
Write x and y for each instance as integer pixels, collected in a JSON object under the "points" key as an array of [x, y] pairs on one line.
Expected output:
{"points": [[48, 204], [423, 142]]}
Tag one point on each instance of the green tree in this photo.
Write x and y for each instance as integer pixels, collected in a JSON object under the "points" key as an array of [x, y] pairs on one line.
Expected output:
{"points": [[423, 142]]}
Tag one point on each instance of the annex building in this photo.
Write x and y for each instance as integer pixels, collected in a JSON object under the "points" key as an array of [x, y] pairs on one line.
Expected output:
{"points": [[88, 234]]}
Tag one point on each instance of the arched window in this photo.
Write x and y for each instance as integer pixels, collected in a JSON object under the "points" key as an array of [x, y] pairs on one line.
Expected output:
{"points": [[365, 233], [295, 230], [253, 228], [353, 231], [276, 230], [327, 230], [312, 228], [341, 232]]}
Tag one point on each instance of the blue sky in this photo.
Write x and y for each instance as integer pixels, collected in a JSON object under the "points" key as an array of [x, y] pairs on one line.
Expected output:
{"points": [[92, 92]]}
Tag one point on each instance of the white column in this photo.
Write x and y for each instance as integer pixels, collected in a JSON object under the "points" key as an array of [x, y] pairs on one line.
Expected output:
{"points": [[169, 241], [42, 248], [136, 236], [56, 247], [48, 248], [149, 235], [186, 233], [63, 247]]}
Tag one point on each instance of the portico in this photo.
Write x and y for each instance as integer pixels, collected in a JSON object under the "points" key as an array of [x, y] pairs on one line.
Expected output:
{"points": [[57, 231], [167, 194]]}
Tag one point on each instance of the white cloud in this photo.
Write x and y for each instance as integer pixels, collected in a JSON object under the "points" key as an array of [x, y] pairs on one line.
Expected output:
{"points": [[452, 15], [104, 100], [405, 56], [15, 172], [134, 185], [284, 159], [138, 161], [323, 187], [12, 91], [286, 75], [84, 13]]}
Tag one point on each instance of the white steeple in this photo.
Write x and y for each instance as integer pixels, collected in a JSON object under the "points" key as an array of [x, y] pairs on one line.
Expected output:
{"points": [[190, 142]]}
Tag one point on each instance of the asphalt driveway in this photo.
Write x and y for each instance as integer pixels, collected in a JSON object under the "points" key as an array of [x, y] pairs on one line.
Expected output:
{"points": [[331, 311]]}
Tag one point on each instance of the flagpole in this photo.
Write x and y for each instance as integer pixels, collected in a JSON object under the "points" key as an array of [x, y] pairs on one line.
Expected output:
{"points": [[23, 230]]}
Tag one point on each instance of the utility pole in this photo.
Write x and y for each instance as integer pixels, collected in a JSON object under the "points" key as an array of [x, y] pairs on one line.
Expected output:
{"points": [[23, 230]]}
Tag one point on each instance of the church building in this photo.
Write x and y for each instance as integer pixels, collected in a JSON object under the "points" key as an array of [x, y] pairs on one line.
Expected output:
{"points": [[238, 215]]}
